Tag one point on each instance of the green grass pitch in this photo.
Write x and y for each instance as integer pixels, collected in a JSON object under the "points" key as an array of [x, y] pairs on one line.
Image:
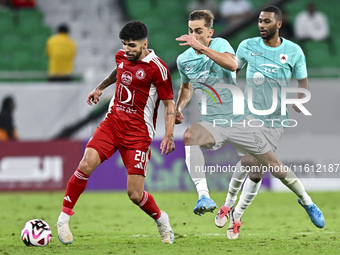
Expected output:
{"points": [[108, 223]]}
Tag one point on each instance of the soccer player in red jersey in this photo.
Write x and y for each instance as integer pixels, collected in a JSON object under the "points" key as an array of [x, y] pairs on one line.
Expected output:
{"points": [[142, 80]]}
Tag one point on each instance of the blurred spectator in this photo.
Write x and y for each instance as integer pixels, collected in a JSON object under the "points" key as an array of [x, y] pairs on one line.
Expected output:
{"points": [[61, 50], [234, 11], [286, 30], [7, 129], [23, 3], [204, 5], [313, 25]]}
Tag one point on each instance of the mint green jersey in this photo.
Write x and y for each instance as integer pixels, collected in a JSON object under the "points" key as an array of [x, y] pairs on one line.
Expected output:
{"points": [[204, 74], [269, 68]]}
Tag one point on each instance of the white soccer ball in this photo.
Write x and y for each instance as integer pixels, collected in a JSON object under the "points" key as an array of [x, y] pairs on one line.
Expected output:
{"points": [[36, 233]]}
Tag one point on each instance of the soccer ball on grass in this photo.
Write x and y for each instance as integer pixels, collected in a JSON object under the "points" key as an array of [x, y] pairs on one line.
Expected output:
{"points": [[36, 233]]}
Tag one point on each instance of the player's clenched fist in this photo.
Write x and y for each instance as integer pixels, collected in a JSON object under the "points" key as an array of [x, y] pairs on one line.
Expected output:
{"points": [[94, 96], [179, 117]]}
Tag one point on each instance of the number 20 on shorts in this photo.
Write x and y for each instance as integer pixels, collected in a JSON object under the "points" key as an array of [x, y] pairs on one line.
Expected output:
{"points": [[140, 156]]}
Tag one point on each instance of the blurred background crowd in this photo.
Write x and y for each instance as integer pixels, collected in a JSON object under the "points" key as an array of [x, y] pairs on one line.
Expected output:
{"points": [[45, 43]]}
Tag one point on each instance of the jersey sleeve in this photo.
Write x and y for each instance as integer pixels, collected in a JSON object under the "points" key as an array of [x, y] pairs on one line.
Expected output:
{"points": [[300, 68], [180, 68], [240, 55], [162, 81]]}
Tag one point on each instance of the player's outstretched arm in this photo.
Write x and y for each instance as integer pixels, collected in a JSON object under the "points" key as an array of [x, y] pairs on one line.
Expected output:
{"points": [[303, 83], [98, 91], [168, 144], [184, 96], [225, 60]]}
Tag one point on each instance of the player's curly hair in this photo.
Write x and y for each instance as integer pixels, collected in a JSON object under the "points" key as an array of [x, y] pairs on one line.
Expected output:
{"points": [[134, 30], [203, 14]]}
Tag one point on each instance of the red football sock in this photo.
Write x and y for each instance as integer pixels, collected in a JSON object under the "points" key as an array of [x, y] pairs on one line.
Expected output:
{"points": [[148, 205], [75, 186]]}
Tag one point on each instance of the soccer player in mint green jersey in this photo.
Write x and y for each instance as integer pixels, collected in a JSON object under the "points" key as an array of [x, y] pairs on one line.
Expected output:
{"points": [[208, 67], [272, 61]]}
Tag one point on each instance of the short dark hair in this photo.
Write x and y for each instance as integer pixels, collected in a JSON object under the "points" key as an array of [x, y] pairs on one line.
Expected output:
{"points": [[276, 10], [63, 28], [134, 30], [203, 14]]}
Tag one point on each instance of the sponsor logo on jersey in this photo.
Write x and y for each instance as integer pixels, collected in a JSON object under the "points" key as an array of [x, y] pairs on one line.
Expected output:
{"points": [[283, 58], [189, 67], [140, 74], [258, 78], [125, 96], [269, 68], [127, 78], [256, 53]]}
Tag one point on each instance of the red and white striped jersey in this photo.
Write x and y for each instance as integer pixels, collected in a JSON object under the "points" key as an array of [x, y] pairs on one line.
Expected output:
{"points": [[140, 86]]}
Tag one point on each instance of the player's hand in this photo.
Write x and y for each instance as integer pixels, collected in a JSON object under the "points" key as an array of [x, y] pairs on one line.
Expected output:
{"points": [[167, 145], [296, 108], [191, 41], [94, 96], [179, 117]]}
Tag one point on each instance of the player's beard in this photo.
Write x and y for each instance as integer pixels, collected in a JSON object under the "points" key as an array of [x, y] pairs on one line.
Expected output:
{"points": [[270, 34], [138, 54]]}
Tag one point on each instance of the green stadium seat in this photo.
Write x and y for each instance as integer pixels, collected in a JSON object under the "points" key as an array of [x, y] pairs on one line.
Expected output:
{"points": [[10, 42], [30, 26], [4, 61], [39, 61], [25, 15], [6, 21], [21, 60], [37, 43]]}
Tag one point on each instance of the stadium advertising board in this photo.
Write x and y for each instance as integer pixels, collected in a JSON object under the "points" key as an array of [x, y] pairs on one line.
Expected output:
{"points": [[37, 165]]}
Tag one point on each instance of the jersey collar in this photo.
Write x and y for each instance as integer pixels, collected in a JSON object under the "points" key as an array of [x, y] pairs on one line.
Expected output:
{"points": [[148, 58], [273, 48]]}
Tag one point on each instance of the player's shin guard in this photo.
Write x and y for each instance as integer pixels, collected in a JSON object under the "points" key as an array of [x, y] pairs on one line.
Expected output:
{"points": [[194, 160], [249, 192], [149, 206], [75, 187], [235, 185], [295, 185]]}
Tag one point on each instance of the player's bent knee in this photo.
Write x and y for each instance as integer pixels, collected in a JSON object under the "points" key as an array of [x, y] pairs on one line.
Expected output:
{"points": [[255, 177], [248, 160], [134, 196], [86, 167], [186, 137]]}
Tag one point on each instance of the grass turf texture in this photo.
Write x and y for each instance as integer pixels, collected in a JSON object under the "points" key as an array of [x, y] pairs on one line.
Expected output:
{"points": [[108, 223]]}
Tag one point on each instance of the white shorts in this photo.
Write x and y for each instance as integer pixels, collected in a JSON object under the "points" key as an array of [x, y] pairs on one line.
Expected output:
{"points": [[273, 136], [244, 138]]}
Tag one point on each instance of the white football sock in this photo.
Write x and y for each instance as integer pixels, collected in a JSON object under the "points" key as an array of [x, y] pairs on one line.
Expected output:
{"points": [[249, 192], [194, 160], [235, 185], [294, 184], [63, 216]]}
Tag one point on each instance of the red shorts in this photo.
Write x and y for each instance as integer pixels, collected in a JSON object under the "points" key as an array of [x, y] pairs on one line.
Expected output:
{"points": [[106, 143]]}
